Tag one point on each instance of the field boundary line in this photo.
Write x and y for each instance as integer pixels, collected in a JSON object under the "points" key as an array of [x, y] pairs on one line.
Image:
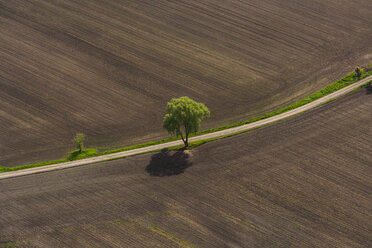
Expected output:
{"points": [[216, 134]]}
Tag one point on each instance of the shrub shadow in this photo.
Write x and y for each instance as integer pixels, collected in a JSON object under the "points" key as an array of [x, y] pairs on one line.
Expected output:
{"points": [[168, 163], [369, 89]]}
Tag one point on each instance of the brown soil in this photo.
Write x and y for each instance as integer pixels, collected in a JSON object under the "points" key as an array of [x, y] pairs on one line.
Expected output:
{"points": [[108, 68], [302, 182]]}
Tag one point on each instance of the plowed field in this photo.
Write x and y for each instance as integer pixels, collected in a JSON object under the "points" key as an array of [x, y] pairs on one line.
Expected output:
{"points": [[107, 68], [302, 182]]}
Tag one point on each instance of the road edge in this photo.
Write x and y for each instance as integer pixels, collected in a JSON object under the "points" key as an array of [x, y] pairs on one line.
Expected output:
{"points": [[217, 134]]}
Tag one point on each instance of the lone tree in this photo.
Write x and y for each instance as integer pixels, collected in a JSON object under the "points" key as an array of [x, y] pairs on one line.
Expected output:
{"points": [[78, 141], [358, 71], [184, 117]]}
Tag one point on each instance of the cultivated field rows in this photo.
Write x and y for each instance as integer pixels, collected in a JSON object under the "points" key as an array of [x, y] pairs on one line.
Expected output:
{"points": [[301, 182], [108, 68], [203, 137]]}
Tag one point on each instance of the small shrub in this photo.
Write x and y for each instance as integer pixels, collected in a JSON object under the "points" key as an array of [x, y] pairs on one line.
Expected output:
{"points": [[79, 141], [358, 72]]}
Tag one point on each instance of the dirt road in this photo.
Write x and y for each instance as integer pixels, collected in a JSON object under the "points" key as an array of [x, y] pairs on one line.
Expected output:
{"points": [[301, 182], [196, 138]]}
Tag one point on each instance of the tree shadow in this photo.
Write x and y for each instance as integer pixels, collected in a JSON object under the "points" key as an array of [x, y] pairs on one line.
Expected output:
{"points": [[168, 163]]}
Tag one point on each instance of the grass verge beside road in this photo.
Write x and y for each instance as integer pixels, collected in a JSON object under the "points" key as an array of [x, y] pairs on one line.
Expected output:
{"points": [[349, 79]]}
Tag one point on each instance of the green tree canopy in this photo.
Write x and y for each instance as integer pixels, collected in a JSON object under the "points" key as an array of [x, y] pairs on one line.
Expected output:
{"points": [[184, 117]]}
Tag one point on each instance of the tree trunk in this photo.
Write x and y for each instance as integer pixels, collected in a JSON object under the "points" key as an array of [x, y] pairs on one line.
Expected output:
{"points": [[186, 139]]}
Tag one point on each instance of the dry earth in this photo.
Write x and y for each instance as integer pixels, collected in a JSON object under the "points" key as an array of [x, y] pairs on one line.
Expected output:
{"points": [[301, 182], [107, 68]]}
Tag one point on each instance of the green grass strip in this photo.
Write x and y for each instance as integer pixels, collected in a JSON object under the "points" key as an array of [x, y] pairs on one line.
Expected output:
{"points": [[6, 169], [349, 79]]}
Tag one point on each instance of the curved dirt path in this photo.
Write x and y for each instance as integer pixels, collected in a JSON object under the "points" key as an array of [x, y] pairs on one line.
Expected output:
{"points": [[195, 138]]}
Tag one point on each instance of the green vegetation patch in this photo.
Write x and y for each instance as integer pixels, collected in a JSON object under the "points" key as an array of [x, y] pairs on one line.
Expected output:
{"points": [[87, 153], [74, 155], [172, 237], [9, 244]]}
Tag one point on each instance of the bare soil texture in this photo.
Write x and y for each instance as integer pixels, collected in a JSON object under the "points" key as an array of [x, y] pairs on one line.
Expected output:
{"points": [[301, 182], [107, 68]]}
